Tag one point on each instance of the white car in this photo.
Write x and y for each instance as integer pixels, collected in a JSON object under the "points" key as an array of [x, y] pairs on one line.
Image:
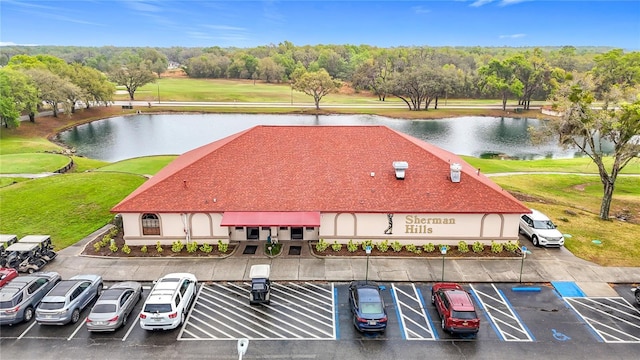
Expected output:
{"points": [[540, 229], [168, 303]]}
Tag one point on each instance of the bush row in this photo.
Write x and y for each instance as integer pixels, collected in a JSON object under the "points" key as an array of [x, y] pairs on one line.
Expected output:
{"points": [[176, 246], [396, 246]]}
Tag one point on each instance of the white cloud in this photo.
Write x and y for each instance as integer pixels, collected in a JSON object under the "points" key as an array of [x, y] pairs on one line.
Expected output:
{"points": [[479, 3], [512, 36], [10, 43]]}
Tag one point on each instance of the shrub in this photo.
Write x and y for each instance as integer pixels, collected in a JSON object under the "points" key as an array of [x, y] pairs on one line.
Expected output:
{"points": [[396, 246], [463, 247], [192, 247], [106, 240], [478, 247], [351, 246], [367, 243], [126, 249], [336, 246], [113, 232], [206, 248], [273, 248], [223, 247], [383, 246], [321, 245], [97, 246], [445, 246], [159, 248], [496, 248], [509, 246], [177, 246], [113, 247], [144, 249], [410, 248], [429, 247]]}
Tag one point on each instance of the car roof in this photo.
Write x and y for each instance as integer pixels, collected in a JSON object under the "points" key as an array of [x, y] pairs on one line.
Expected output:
{"points": [[112, 293], [34, 238], [63, 287], [537, 215], [22, 247], [459, 300], [368, 293]]}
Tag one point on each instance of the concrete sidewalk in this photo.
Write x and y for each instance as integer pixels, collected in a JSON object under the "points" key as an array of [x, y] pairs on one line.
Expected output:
{"points": [[542, 266]]}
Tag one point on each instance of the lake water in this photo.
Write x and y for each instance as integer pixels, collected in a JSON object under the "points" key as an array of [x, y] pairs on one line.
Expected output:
{"points": [[127, 137]]}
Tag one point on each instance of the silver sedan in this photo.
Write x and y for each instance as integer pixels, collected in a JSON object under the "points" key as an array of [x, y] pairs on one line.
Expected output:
{"points": [[114, 306]]}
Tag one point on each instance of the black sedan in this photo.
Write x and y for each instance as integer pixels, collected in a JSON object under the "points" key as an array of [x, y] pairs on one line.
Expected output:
{"points": [[367, 306]]}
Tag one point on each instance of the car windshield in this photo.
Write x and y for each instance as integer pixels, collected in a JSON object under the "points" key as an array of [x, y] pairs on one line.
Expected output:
{"points": [[104, 308], [464, 315], [543, 224], [51, 305], [371, 308], [157, 308]]}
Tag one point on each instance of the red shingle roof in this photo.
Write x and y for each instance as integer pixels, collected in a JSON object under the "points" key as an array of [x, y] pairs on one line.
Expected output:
{"points": [[318, 168]]}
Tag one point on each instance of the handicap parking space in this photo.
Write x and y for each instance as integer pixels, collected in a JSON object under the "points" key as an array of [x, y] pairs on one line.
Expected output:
{"points": [[413, 316], [297, 311], [612, 319]]}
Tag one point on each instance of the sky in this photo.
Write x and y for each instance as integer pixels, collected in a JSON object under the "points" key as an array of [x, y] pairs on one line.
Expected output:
{"points": [[245, 24]]}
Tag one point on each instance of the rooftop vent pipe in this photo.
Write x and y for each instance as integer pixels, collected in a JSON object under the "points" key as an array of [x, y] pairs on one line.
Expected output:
{"points": [[455, 172], [400, 167]]}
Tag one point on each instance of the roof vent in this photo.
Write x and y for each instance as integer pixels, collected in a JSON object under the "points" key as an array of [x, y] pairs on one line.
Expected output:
{"points": [[455, 172], [400, 167]]}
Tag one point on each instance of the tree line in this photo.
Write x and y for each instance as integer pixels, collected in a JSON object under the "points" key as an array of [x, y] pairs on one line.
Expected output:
{"points": [[574, 79]]}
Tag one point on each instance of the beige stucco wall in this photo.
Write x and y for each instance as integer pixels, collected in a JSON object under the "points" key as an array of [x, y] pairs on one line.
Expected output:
{"points": [[417, 229]]}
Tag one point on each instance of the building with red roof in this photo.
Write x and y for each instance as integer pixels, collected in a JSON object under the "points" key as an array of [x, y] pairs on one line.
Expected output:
{"points": [[338, 183]]}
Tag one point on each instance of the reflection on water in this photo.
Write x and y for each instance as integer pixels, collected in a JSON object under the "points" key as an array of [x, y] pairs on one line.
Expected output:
{"points": [[126, 137]]}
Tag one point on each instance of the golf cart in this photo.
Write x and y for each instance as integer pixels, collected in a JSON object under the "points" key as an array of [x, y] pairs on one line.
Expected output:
{"points": [[45, 249], [25, 257], [260, 285], [5, 242]]}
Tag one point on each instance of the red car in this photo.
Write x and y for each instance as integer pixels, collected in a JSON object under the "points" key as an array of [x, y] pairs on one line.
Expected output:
{"points": [[457, 312], [6, 274]]}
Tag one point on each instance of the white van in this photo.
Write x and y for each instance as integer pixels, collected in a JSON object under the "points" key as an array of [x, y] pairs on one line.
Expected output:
{"points": [[168, 302]]}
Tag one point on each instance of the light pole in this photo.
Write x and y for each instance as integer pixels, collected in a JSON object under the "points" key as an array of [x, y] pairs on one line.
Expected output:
{"points": [[524, 255], [368, 251], [443, 251]]}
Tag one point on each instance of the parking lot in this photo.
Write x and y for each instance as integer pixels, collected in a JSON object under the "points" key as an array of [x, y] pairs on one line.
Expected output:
{"points": [[320, 311]]}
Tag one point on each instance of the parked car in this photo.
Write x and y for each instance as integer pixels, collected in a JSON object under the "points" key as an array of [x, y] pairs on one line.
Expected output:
{"points": [[63, 303], [113, 307], [540, 229], [457, 312], [367, 306], [168, 302], [20, 297], [6, 275]]}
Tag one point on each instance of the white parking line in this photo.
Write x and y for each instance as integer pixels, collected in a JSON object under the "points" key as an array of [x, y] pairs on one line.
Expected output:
{"points": [[500, 313], [27, 330], [626, 315], [410, 333], [77, 328]]}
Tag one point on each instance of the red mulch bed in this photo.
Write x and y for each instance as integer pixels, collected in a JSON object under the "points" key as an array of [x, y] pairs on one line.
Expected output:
{"points": [[151, 250], [453, 252]]}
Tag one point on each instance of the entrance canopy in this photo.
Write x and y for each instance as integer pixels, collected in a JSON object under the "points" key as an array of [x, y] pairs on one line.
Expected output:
{"points": [[270, 218]]}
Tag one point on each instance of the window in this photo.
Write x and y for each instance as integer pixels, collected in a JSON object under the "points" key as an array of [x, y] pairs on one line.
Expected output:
{"points": [[150, 224], [310, 228], [283, 228], [184, 287], [239, 228], [34, 286], [177, 300]]}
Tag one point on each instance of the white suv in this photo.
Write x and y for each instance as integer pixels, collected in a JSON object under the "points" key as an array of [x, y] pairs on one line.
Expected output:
{"points": [[168, 302], [540, 229]]}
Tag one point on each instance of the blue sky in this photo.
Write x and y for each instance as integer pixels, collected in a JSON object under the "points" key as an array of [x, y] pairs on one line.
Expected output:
{"points": [[243, 24]]}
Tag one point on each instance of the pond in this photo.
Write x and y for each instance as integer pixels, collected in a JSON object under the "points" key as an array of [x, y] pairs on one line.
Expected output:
{"points": [[132, 136]]}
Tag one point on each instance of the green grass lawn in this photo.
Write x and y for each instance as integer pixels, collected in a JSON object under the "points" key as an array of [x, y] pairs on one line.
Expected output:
{"points": [[67, 207], [148, 165], [18, 145], [582, 165], [32, 163]]}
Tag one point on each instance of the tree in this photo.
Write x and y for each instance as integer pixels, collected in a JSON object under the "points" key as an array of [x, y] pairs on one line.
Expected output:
{"points": [[270, 71], [95, 85], [533, 72], [498, 77], [53, 89], [585, 127], [133, 75], [17, 95], [317, 84], [158, 62]]}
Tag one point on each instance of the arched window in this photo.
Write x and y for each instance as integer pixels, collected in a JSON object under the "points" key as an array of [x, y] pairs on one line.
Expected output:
{"points": [[150, 224]]}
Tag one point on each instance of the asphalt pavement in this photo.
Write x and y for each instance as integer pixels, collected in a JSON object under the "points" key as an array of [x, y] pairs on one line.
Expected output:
{"points": [[541, 266]]}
